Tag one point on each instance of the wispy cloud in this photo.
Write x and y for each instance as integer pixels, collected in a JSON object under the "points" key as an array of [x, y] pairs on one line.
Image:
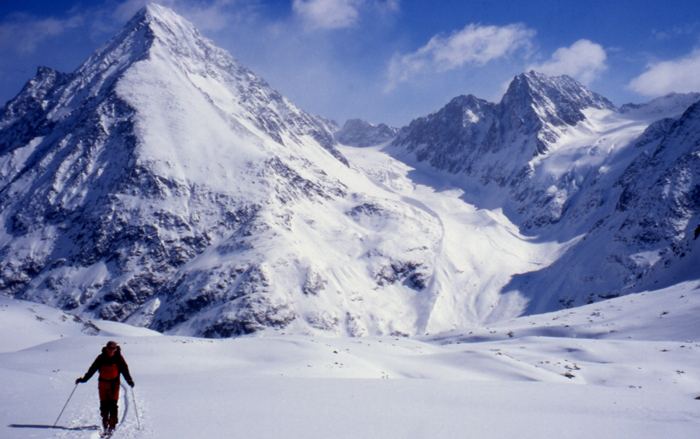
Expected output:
{"points": [[678, 75], [584, 60], [337, 14], [22, 33], [328, 14], [675, 31], [473, 45]]}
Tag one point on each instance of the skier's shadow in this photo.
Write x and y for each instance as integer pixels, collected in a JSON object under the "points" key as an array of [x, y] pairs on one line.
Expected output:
{"points": [[55, 427]]}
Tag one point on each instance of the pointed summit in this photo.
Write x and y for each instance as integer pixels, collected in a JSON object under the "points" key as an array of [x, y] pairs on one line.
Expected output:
{"points": [[495, 141], [157, 147], [159, 50], [157, 17], [155, 11], [170, 29], [502, 143], [360, 133], [166, 185], [555, 100]]}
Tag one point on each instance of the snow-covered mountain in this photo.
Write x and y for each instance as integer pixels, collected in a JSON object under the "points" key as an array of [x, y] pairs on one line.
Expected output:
{"points": [[357, 132], [647, 222], [480, 138], [165, 185], [564, 164], [540, 142]]}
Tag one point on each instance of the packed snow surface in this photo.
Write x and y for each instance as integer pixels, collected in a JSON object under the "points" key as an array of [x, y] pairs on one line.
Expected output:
{"points": [[621, 368]]}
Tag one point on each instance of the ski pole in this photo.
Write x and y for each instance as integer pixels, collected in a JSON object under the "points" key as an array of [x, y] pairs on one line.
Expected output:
{"points": [[66, 405], [138, 422]]}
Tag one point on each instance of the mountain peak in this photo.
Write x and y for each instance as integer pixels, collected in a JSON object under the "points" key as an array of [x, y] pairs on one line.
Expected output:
{"points": [[533, 77], [160, 18], [536, 80], [181, 142], [468, 133], [557, 87], [557, 100], [154, 12], [151, 22], [357, 132]]}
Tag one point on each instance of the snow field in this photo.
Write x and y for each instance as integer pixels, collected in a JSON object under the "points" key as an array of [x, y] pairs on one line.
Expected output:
{"points": [[559, 374], [478, 251]]}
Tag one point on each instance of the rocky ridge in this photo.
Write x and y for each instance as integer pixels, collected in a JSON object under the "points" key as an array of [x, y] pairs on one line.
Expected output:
{"points": [[357, 132]]}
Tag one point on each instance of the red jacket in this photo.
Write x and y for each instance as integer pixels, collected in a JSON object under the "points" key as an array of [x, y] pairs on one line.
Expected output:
{"points": [[110, 367]]}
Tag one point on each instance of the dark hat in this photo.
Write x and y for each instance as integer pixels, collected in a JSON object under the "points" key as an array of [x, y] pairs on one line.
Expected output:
{"points": [[111, 344]]}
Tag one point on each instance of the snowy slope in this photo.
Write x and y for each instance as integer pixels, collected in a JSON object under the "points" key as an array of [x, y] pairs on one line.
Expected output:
{"points": [[615, 369], [646, 212], [617, 187], [157, 147], [478, 250], [165, 185]]}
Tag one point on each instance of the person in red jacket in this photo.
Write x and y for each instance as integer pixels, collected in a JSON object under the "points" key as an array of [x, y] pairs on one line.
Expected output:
{"points": [[111, 365]]}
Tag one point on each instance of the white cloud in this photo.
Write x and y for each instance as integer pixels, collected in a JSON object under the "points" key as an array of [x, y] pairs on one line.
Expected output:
{"points": [[337, 14], [328, 14], [473, 45], [584, 60], [23, 33], [679, 75]]}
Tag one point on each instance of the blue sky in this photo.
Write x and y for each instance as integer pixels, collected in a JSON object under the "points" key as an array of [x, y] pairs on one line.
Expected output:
{"points": [[390, 60]]}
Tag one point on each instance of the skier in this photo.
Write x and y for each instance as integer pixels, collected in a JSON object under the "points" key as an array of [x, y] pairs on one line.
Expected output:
{"points": [[111, 364]]}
